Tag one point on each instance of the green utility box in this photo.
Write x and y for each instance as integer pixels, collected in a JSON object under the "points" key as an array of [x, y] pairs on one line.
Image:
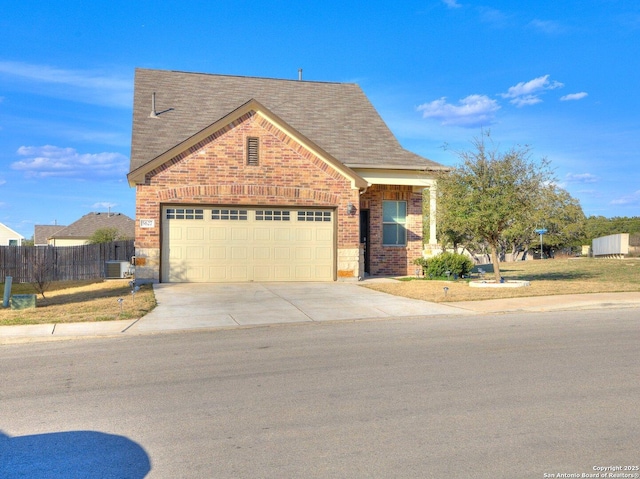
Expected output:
{"points": [[23, 301]]}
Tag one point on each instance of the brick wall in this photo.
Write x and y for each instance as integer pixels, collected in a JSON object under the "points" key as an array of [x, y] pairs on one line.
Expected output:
{"points": [[393, 260], [215, 172]]}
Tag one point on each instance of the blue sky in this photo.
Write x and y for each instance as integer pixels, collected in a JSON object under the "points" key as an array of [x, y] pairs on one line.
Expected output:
{"points": [[562, 77]]}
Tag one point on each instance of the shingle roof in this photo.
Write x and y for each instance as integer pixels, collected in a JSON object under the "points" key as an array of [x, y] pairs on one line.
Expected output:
{"points": [[42, 233], [89, 223], [338, 117]]}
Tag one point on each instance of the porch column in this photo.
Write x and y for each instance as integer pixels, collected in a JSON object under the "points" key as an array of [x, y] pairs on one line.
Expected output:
{"points": [[432, 215]]}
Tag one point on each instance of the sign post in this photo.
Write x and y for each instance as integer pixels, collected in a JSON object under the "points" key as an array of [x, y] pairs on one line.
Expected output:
{"points": [[541, 231]]}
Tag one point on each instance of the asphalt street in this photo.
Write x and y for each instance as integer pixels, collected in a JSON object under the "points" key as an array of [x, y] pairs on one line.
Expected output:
{"points": [[505, 396]]}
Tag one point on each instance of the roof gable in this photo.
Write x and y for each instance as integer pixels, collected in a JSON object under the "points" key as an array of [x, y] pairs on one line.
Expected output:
{"points": [[337, 117], [252, 106], [11, 232], [42, 233]]}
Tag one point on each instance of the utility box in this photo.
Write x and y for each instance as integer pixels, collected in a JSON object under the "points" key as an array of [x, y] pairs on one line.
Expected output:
{"points": [[117, 269], [23, 301]]}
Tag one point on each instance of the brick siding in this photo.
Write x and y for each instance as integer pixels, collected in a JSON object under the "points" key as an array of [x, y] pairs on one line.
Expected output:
{"points": [[215, 172]]}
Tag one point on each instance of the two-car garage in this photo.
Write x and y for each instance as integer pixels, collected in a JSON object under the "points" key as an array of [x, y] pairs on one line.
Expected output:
{"points": [[232, 244]]}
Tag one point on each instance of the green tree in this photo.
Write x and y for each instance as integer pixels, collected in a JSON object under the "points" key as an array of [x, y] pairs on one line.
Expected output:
{"points": [[104, 235], [559, 213], [490, 192]]}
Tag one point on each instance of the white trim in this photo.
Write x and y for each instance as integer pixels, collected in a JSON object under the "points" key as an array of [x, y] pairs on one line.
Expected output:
{"points": [[397, 177]]}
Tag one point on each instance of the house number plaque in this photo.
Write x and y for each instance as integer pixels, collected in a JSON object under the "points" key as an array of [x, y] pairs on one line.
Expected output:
{"points": [[147, 223]]}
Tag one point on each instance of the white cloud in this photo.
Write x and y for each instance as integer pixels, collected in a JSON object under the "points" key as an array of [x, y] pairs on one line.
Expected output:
{"points": [[52, 161], [574, 96], [548, 26], [2, 182], [451, 3], [526, 100], [632, 199], [492, 16], [526, 93], [472, 111], [581, 178], [95, 87]]}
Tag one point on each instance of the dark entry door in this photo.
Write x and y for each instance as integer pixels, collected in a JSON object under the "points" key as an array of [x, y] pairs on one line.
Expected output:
{"points": [[364, 238]]}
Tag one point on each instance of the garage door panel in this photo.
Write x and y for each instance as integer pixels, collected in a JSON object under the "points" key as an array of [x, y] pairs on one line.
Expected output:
{"points": [[282, 272], [323, 253], [217, 252], [195, 234], [217, 233], [239, 273], [261, 234], [261, 273], [305, 234], [322, 271], [239, 234], [261, 253], [280, 253], [195, 252], [303, 253], [324, 234], [277, 244], [239, 252], [281, 234], [195, 273], [218, 272], [303, 273]]}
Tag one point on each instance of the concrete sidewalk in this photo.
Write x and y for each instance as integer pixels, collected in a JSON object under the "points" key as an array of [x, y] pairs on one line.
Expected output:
{"points": [[190, 306]]}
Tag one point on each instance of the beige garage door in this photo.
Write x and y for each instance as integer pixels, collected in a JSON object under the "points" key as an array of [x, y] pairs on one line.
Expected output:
{"points": [[218, 244]]}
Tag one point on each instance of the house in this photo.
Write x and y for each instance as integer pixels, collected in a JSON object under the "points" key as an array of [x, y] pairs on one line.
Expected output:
{"points": [[42, 233], [257, 179], [9, 237], [81, 231]]}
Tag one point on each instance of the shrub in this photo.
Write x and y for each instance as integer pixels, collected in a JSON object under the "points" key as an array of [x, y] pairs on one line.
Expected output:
{"points": [[437, 267]]}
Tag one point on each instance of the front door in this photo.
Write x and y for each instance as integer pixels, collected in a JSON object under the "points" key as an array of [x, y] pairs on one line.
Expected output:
{"points": [[364, 237]]}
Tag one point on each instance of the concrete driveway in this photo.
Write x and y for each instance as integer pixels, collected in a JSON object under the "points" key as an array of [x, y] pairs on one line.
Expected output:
{"points": [[212, 305]]}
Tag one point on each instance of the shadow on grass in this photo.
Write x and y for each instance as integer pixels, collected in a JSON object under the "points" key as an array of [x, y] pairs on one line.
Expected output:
{"points": [[85, 296], [551, 276]]}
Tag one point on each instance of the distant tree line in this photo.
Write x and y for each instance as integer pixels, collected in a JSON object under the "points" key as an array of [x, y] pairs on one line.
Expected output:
{"points": [[597, 226]]}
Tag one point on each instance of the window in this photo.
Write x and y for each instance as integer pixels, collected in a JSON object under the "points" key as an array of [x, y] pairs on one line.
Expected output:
{"points": [[184, 214], [272, 215], [234, 215], [253, 150], [314, 215], [13, 242], [394, 219]]}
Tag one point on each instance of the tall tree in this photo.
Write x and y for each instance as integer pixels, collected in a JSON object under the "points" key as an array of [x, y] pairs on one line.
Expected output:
{"points": [[104, 235], [491, 191]]}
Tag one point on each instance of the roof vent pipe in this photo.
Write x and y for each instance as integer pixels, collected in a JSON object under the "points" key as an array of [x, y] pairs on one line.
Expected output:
{"points": [[153, 113], [299, 74]]}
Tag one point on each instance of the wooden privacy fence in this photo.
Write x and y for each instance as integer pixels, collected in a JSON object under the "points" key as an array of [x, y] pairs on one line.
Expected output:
{"points": [[61, 263]]}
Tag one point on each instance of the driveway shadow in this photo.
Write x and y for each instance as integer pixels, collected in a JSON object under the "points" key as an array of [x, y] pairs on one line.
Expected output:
{"points": [[73, 454]]}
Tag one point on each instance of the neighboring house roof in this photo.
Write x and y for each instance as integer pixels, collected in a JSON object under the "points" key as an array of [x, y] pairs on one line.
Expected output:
{"points": [[42, 233], [337, 117], [86, 226]]}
